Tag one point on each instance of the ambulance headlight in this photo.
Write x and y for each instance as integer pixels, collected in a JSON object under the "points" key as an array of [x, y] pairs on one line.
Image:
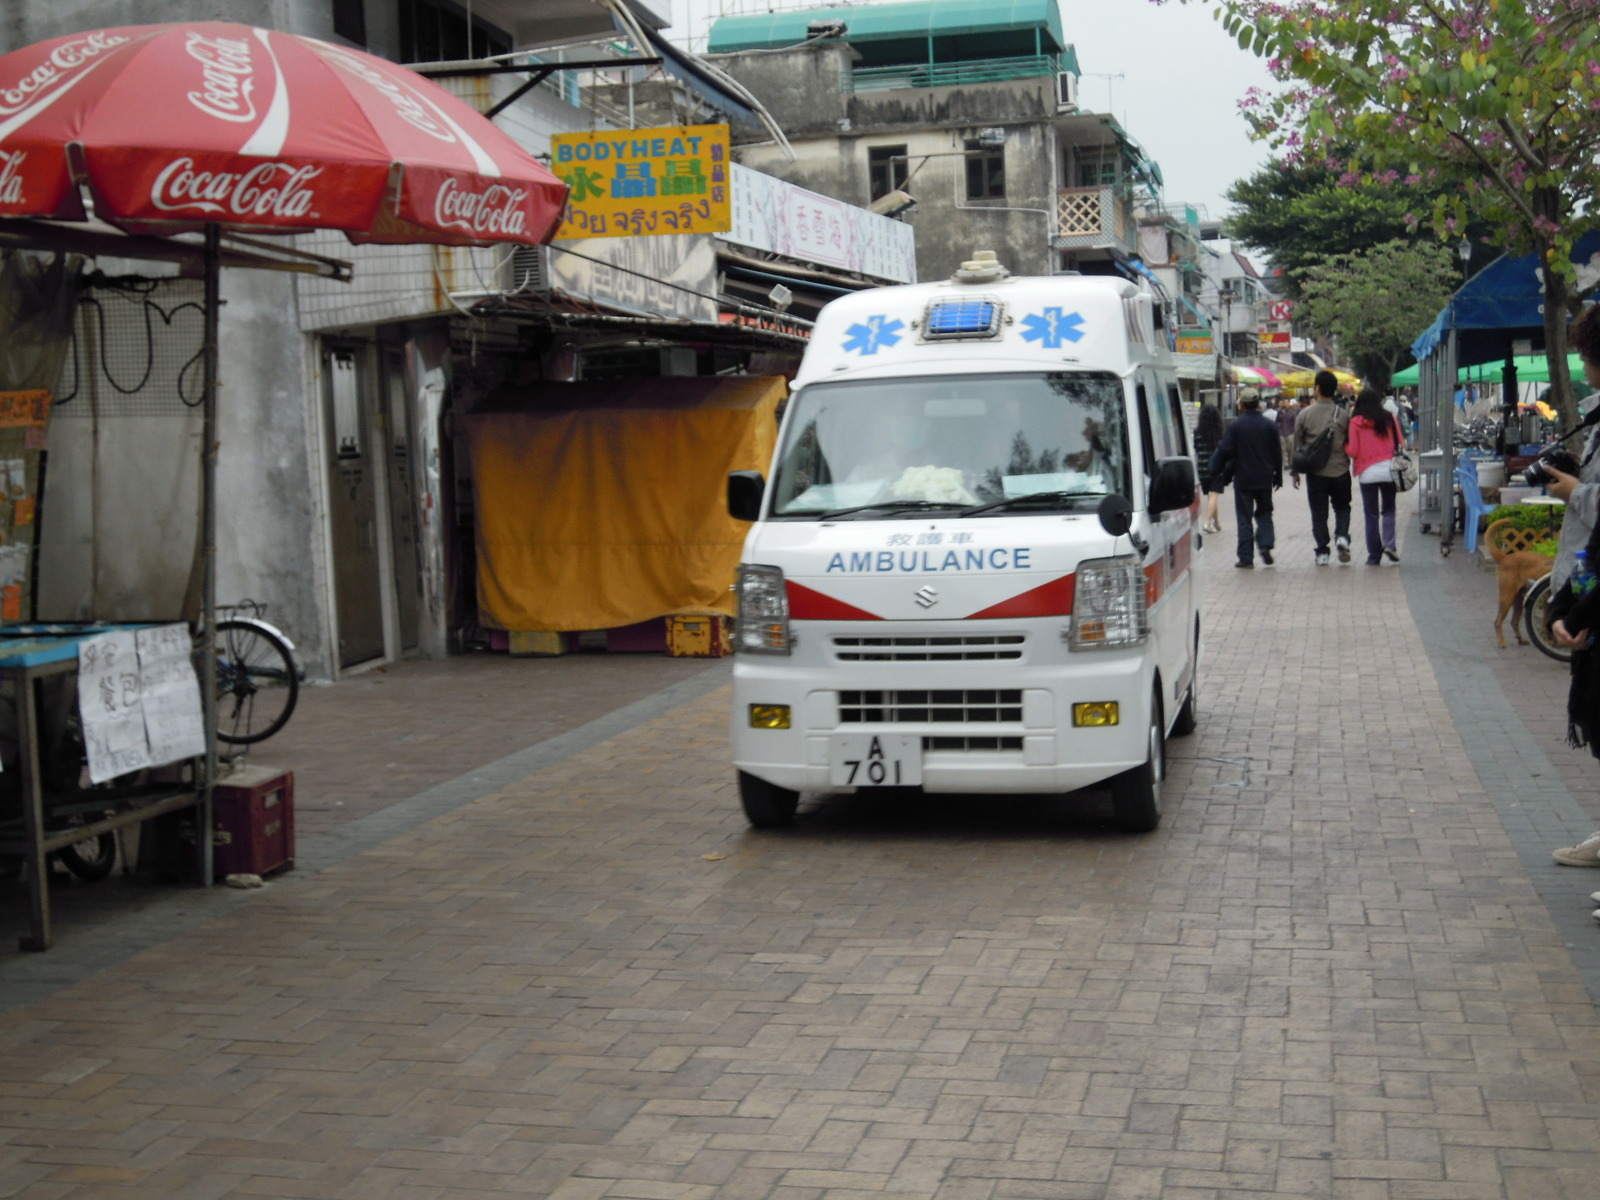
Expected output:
{"points": [[1108, 605], [763, 626]]}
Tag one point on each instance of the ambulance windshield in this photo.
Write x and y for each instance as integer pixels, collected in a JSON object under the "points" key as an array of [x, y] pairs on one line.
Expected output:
{"points": [[906, 446]]}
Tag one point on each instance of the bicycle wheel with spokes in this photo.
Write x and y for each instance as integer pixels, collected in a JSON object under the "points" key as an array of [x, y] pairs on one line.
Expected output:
{"points": [[1535, 615], [257, 684]]}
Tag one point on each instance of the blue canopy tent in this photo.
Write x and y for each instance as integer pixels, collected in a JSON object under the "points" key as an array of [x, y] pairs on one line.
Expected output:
{"points": [[1487, 315]]}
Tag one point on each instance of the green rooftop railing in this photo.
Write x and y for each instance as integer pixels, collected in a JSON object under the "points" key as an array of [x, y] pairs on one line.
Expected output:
{"points": [[922, 75]]}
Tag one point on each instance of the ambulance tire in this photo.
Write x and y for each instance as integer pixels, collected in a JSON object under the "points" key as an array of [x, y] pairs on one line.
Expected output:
{"points": [[1188, 718], [766, 805], [1136, 794]]}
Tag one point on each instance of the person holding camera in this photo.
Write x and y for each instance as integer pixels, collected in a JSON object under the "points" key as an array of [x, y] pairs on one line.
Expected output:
{"points": [[1573, 618]]}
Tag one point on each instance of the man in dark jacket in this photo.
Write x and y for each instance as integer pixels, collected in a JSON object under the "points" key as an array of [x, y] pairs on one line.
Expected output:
{"points": [[1250, 446]]}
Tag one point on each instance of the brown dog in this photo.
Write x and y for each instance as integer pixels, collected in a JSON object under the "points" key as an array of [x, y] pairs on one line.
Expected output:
{"points": [[1514, 570]]}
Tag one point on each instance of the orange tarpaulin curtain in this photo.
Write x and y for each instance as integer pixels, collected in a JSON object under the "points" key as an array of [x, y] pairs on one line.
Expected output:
{"points": [[604, 504]]}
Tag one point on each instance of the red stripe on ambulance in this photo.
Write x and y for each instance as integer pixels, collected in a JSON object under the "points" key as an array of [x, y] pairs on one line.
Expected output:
{"points": [[1053, 599]]}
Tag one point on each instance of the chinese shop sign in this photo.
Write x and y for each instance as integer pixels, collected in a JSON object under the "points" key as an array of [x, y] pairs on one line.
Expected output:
{"points": [[639, 182]]}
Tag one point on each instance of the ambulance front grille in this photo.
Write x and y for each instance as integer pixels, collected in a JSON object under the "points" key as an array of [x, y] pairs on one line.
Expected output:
{"points": [[972, 743], [942, 648], [951, 705]]}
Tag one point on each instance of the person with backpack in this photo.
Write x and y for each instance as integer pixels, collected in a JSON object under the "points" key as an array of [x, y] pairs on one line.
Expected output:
{"points": [[1320, 431], [1373, 440]]}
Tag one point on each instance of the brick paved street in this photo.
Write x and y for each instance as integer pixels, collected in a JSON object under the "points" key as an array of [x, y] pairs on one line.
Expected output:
{"points": [[543, 956]]}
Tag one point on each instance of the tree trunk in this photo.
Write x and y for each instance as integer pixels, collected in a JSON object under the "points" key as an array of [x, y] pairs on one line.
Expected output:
{"points": [[1557, 291]]}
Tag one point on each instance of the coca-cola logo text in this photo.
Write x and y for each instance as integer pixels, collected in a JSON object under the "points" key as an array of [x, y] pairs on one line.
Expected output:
{"points": [[227, 77], [11, 176], [407, 105], [17, 94], [269, 189], [494, 211]]}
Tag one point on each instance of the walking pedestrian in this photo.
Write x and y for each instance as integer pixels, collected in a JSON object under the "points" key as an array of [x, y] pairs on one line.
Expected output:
{"points": [[1372, 442], [1250, 451], [1208, 428], [1329, 484], [1288, 413]]}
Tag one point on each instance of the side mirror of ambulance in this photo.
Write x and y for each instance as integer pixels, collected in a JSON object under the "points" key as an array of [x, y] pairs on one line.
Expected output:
{"points": [[1174, 485], [745, 490], [1116, 515]]}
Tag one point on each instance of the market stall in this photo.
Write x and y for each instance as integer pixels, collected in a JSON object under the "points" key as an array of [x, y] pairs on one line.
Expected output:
{"points": [[1494, 317], [213, 128]]}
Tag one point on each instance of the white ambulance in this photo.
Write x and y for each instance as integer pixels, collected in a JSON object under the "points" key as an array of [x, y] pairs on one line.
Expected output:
{"points": [[970, 570]]}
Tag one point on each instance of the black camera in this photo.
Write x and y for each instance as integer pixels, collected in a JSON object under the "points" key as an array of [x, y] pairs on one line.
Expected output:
{"points": [[1537, 474]]}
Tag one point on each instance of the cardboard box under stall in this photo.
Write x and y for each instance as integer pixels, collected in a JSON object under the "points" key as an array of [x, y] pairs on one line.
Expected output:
{"points": [[603, 505]]}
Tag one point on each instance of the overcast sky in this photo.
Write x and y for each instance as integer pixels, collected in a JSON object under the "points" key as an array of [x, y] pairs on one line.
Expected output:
{"points": [[1169, 74]]}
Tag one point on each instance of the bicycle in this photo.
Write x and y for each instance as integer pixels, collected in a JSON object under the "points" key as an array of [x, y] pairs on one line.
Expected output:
{"points": [[258, 681], [1535, 606]]}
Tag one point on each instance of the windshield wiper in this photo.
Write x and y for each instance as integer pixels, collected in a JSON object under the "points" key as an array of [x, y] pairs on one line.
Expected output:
{"points": [[1053, 497], [886, 505]]}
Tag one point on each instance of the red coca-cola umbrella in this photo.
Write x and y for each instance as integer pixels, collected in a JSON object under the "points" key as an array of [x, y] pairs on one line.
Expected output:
{"points": [[174, 127], [210, 126]]}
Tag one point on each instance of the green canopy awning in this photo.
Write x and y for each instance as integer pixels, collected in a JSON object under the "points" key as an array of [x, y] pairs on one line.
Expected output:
{"points": [[884, 22], [1531, 368]]}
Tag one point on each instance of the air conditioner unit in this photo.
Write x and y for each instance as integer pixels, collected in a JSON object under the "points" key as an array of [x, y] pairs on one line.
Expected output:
{"points": [[1066, 92], [529, 269]]}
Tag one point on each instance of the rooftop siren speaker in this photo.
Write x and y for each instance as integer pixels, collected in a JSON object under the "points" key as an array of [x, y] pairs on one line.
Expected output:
{"points": [[983, 267]]}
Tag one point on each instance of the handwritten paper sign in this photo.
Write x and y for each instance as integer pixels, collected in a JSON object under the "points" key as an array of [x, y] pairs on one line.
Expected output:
{"points": [[173, 721], [139, 700], [109, 704]]}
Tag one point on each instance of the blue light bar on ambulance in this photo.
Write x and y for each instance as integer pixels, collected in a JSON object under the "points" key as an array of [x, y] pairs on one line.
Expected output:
{"points": [[972, 318]]}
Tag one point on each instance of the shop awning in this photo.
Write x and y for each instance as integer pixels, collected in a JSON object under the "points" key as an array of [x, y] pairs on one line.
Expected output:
{"points": [[1502, 303]]}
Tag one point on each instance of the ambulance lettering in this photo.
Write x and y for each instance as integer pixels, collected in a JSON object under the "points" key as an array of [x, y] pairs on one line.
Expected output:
{"points": [[930, 562]]}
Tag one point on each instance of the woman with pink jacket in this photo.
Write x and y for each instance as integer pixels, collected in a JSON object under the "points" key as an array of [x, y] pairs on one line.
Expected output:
{"points": [[1371, 442]]}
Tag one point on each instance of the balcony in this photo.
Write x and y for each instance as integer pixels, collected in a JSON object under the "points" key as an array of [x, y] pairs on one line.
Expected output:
{"points": [[1093, 218], [927, 75]]}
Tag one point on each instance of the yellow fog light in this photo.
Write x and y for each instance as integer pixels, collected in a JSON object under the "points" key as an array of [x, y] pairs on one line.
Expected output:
{"points": [[769, 716], [1096, 712]]}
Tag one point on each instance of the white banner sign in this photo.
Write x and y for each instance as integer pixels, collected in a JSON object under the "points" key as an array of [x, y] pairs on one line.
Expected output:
{"points": [[778, 217], [671, 276]]}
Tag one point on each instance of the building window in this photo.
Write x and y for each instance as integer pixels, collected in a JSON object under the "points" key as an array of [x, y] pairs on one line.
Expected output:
{"points": [[986, 171], [437, 31], [1097, 168], [350, 21], [886, 170]]}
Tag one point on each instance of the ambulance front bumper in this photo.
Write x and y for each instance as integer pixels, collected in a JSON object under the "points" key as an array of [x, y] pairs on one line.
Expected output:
{"points": [[984, 726]]}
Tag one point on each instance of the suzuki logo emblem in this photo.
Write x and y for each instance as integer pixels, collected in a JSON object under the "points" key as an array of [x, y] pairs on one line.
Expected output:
{"points": [[927, 596]]}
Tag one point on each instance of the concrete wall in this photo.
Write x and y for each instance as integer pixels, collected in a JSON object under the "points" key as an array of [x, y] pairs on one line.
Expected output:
{"points": [[948, 225], [831, 130]]}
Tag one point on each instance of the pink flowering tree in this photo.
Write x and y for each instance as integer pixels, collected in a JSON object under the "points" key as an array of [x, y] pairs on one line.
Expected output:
{"points": [[1496, 103]]}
